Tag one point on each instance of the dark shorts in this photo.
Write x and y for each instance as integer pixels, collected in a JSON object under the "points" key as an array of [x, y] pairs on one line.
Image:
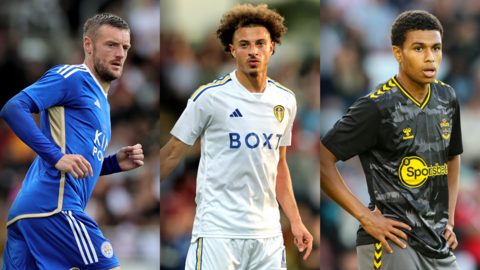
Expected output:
{"points": [[67, 240], [376, 257]]}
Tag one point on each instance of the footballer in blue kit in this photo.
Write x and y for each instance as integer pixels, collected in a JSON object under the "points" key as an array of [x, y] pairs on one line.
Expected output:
{"points": [[47, 226]]}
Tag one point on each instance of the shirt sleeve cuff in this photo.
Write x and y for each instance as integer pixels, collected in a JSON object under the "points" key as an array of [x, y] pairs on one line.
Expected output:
{"points": [[110, 165]]}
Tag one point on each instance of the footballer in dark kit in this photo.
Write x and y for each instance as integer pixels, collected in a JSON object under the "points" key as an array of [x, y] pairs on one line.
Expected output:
{"points": [[407, 135]]}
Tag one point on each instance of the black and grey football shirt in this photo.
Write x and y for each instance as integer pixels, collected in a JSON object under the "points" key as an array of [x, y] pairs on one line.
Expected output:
{"points": [[404, 147]]}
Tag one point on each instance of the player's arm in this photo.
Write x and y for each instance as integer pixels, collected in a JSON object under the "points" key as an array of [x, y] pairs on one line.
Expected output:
{"points": [[373, 222], [284, 192], [453, 183], [170, 155], [454, 151], [192, 123], [126, 159], [17, 113]]}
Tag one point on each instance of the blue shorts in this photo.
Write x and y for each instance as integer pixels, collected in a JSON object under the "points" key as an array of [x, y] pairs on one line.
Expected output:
{"points": [[67, 240]]}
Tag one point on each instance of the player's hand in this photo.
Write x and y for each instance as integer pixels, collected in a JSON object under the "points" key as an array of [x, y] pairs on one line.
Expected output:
{"points": [[130, 157], [76, 165], [451, 237], [381, 228], [303, 239]]}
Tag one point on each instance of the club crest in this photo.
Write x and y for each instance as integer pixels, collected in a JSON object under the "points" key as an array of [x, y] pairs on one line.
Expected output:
{"points": [[107, 249], [445, 129], [279, 112]]}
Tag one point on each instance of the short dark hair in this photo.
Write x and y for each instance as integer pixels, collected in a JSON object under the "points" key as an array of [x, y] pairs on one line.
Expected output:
{"points": [[247, 15], [92, 25], [410, 21]]}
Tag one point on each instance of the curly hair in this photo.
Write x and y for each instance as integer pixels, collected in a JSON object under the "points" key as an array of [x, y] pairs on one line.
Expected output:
{"points": [[247, 15], [410, 21]]}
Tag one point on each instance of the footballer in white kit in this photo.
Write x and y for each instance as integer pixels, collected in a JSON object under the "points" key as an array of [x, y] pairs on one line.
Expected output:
{"points": [[245, 122]]}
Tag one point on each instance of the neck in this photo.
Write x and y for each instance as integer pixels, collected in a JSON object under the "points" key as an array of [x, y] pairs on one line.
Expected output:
{"points": [[417, 90], [254, 84], [105, 85]]}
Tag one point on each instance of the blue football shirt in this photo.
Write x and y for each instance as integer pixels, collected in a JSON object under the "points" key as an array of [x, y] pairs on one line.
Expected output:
{"points": [[75, 117]]}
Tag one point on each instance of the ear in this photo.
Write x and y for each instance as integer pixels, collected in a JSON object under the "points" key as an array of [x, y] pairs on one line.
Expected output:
{"points": [[397, 53], [87, 45], [272, 45], [232, 50]]}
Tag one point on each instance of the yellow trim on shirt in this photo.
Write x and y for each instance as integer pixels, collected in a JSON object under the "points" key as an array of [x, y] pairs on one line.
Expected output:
{"points": [[208, 85], [413, 99], [276, 83]]}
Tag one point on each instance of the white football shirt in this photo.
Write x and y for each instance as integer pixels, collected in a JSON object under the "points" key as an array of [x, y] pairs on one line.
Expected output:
{"points": [[240, 140]]}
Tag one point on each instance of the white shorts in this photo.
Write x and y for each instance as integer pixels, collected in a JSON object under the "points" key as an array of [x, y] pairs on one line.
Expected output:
{"points": [[237, 254]]}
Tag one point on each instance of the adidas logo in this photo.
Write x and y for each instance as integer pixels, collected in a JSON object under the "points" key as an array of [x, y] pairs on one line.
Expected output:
{"points": [[97, 103], [236, 113]]}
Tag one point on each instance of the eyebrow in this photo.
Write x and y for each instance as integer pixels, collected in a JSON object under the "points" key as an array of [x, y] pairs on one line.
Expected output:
{"points": [[243, 40], [116, 42], [423, 44]]}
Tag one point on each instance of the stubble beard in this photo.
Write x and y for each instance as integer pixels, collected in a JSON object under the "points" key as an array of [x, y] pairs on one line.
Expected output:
{"points": [[253, 73], [102, 70]]}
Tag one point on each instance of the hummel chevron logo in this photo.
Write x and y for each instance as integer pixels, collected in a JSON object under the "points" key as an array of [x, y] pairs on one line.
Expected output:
{"points": [[97, 103], [377, 261], [236, 113]]}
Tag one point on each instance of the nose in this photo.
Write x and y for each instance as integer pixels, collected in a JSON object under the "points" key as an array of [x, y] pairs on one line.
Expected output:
{"points": [[120, 52], [253, 50], [429, 57]]}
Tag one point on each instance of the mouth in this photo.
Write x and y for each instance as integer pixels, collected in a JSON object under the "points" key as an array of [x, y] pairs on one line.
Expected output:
{"points": [[429, 72], [253, 62], [116, 65]]}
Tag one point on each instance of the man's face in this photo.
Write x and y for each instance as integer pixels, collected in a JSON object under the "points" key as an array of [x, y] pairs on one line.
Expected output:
{"points": [[252, 47], [421, 55], [110, 51]]}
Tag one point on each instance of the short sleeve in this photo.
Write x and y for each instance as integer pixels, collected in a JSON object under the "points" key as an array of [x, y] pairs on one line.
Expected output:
{"points": [[53, 89], [287, 136], [356, 132], [193, 120], [456, 145]]}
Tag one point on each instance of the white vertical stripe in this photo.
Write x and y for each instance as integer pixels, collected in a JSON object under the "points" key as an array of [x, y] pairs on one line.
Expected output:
{"points": [[81, 236], [62, 68], [63, 72], [89, 241], [76, 238]]}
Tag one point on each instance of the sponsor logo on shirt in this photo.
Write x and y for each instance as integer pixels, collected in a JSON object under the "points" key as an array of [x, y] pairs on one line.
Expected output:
{"points": [[445, 129], [414, 172], [252, 140], [279, 112], [100, 144], [407, 134]]}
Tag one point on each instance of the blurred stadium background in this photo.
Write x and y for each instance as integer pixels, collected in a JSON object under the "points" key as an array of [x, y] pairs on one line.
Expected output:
{"points": [[37, 35], [191, 56], [355, 56]]}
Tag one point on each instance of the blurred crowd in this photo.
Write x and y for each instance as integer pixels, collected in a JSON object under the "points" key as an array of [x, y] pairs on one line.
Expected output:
{"points": [[355, 56], [185, 66], [37, 35]]}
